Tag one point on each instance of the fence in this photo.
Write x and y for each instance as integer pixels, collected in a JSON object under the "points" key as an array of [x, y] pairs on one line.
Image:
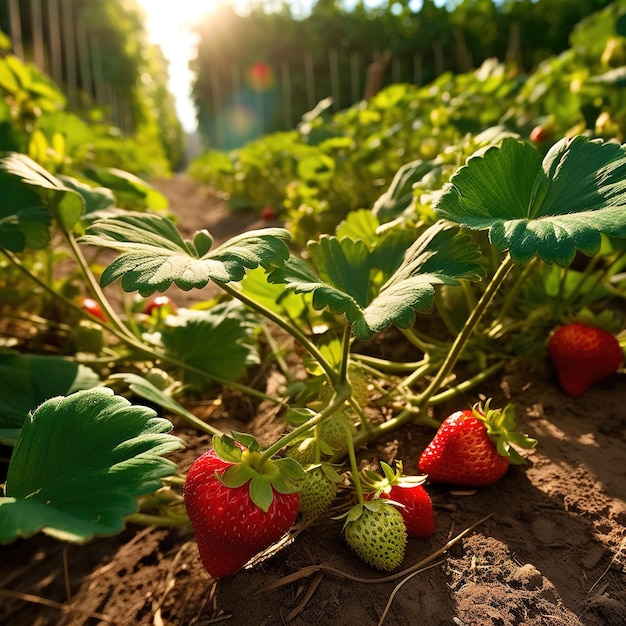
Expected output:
{"points": [[242, 106]]}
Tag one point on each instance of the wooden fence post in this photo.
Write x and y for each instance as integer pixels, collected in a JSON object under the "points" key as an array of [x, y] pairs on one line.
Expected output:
{"points": [[56, 49], [39, 50], [69, 48], [286, 89], [15, 22], [333, 62], [309, 73], [355, 79]]}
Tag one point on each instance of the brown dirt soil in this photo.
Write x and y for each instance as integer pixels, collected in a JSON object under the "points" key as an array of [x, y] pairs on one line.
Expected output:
{"points": [[548, 548]]}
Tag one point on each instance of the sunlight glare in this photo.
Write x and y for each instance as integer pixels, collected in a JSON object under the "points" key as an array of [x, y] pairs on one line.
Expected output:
{"points": [[168, 23]]}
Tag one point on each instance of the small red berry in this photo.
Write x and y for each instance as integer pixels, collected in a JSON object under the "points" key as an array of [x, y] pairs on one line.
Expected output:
{"points": [[268, 213], [541, 134], [93, 308], [160, 303]]}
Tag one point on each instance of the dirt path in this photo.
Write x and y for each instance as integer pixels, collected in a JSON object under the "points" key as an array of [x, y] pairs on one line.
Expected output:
{"points": [[550, 553]]}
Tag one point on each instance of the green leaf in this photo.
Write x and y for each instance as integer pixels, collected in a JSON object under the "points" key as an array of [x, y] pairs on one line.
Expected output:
{"points": [[154, 255], [95, 198], [66, 205], [24, 220], [345, 285], [128, 188], [34, 378], [79, 465], [220, 341], [274, 297], [547, 209]]}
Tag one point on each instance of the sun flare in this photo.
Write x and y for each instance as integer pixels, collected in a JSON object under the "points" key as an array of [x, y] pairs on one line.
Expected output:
{"points": [[168, 23]]}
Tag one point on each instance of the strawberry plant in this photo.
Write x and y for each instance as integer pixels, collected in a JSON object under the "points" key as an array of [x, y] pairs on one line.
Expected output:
{"points": [[357, 284]]}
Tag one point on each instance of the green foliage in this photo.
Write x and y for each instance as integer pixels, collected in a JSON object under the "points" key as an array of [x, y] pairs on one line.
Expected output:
{"points": [[32, 379], [220, 341], [555, 208], [154, 255], [349, 278], [79, 464]]}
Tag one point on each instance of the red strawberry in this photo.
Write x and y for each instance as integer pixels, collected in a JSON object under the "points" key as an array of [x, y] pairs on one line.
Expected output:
{"points": [[417, 507], [473, 447], [162, 304], [93, 308], [583, 355], [541, 134], [268, 213], [238, 503]]}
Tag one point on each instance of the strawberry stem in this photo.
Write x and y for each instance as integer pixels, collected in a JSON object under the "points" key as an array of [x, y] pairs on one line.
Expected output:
{"points": [[354, 468]]}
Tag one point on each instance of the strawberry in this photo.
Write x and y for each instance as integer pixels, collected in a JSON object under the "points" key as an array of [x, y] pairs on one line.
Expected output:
{"points": [[268, 213], [93, 308], [541, 134], [239, 503], [332, 432], [417, 507], [161, 305], [317, 490], [375, 531], [473, 447], [583, 355]]}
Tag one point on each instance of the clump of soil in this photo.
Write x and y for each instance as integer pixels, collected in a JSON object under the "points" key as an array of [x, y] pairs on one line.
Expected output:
{"points": [[548, 545]]}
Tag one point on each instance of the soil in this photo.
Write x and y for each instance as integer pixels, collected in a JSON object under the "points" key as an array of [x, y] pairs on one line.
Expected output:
{"points": [[547, 548]]}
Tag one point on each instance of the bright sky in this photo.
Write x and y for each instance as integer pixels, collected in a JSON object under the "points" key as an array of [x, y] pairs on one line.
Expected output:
{"points": [[168, 25]]}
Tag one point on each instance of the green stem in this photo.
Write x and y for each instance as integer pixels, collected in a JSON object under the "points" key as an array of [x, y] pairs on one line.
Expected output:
{"points": [[276, 353], [468, 328], [417, 374], [425, 398], [144, 519], [95, 288], [333, 406], [294, 331], [131, 341], [513, 292], [444, 315], [345, 354], [354, 468], [386, 365]]}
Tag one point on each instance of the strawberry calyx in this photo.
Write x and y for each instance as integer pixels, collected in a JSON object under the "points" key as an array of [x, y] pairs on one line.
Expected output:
{"points": [[375, 505], [248, 465], [376, 484], [500, 425]]}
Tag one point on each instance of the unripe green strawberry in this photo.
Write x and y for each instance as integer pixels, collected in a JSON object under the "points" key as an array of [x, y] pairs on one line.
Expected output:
{"points": [[375, 531], [317, 491], [302, 451], [332, 431], [359, 380]]}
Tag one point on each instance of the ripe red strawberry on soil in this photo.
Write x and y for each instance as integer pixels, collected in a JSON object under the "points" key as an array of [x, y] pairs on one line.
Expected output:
{"points": [[229, 527], [583, 355], [472, 447]]}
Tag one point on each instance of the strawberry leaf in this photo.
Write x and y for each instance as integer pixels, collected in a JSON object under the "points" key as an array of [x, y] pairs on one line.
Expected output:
{"points": [[65, 204], [154, 255], [79, 464], [548, 208], [345, 283], [219, 341]]}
